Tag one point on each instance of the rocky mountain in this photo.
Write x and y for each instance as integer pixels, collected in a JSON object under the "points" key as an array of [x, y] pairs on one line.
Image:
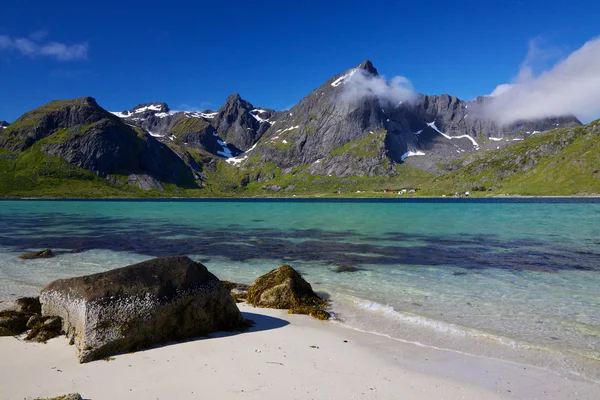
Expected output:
{"points": [[178, 128], [83, 134], [4, 124], [228, 132], [368, 134], [240, 123], [355, 126], [328, 134]]}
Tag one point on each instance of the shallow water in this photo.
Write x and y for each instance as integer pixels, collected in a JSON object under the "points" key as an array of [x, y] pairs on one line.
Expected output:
{"points": [[509, 279]]}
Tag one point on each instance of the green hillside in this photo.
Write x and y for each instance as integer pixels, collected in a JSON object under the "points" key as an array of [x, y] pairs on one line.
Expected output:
{"points": [[561, 162], [34, 150]]}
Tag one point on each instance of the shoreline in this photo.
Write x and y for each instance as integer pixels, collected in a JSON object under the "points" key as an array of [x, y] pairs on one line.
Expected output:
{"points": [[475, 344], [318, 197], [407, 336], [287, 356]]}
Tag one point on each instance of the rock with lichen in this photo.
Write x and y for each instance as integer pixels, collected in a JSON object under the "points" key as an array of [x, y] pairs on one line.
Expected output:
{"points": [[43, 329], [28, 305], [152, 302], [71, 396], [284, 288], [26, 317], [13, 322]]}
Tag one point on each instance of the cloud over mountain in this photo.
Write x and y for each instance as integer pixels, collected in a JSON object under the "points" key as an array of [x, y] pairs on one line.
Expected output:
{"points": [[570, 87], [363, 84]]}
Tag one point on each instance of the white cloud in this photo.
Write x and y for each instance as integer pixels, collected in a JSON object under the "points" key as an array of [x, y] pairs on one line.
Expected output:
{"points": [[570, 87], [34, 48], [501, 89], [39, 35], [65, 52], [364, 84]]}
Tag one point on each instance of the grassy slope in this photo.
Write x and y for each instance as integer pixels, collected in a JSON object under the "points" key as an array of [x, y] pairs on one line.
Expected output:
{"points": [[368, 146], [185, 125], [229, 181], [12, 135], [561, 162], [33, 173]]}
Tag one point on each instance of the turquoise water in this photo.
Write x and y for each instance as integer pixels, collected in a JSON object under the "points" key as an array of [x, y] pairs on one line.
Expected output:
{"points": [[511, 279]]}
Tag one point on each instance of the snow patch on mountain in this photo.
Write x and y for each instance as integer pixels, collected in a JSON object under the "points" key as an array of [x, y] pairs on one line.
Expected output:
{"points": [[432, 126], [241, 157], [256, 117], [287, 129], [411, 154], [342, 78], [125, 114], [194, 114], [151, 107], [165, 114]]}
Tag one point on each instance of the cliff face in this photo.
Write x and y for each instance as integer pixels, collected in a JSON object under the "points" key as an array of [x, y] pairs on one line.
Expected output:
{"points": [[327, 122], [82, 133], [239, 123]]}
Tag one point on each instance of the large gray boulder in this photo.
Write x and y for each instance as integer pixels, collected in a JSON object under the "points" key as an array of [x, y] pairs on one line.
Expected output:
{"points": [[133, 307]]}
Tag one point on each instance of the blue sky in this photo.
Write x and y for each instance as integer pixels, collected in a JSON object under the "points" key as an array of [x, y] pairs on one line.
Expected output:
{"points": [[271, 52]]}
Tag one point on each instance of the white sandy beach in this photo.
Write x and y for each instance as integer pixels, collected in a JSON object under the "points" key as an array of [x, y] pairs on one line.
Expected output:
{"points": [[282, 357]]}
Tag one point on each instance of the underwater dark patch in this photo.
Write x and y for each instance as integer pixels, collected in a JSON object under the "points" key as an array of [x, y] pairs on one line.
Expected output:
{"points": [[327, 248]]}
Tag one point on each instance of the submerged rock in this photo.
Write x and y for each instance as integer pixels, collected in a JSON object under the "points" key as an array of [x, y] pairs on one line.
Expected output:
{"points": [[347, 268], [37, 254], [133, 307], [284, 288]]}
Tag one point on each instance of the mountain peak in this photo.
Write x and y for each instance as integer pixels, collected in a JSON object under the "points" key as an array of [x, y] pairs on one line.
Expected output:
{"points": [[235, 100], [150, 108], [233, 97], [368, 66]]}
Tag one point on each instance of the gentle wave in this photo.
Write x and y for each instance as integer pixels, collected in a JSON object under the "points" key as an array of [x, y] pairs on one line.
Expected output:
{"points": [[437, 325], [526, 353]]}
